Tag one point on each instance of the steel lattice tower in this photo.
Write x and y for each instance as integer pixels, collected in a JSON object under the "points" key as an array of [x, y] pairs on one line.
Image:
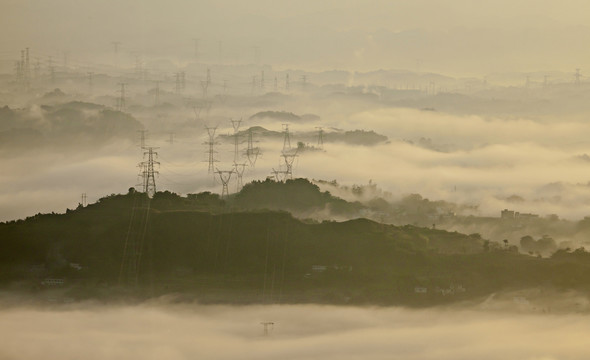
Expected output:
{"points": [[239, 170], [225, 177], [252, 152], [211, 143], [148, 172], [320, 137], [289, 159], [236, 125], [286, 139], [121, 101]]}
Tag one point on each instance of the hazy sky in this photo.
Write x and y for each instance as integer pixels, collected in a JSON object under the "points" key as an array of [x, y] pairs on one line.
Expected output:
{"points": [[456, 36]]}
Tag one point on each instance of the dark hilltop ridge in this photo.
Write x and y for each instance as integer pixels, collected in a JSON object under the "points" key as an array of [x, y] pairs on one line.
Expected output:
{"points": [[248, 249]]}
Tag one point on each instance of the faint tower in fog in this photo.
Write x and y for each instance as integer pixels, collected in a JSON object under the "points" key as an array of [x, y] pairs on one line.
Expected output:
{"points": [[286, 139], [142, 138], [196, 44], [266, 326], [121, 100], [239, 170], [90, 75], [116, 45], [320, 137], [252, 152], [287, 82], [157, 94], [236, 126], [545, 81], [211, 151]]}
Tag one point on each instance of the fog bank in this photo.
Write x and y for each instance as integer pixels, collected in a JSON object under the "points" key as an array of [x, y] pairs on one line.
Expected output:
{"points": [[299, 332]]}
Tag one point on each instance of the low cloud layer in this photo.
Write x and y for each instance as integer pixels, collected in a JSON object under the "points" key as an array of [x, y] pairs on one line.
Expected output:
{"points": [[488, 161], [299, 332]]}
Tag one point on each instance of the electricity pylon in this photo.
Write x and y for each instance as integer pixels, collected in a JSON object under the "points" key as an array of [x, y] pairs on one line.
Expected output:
{"points": [[239, 170], [252, 152], [320, 137], [236, 125], [225, 177], [286, 139], [211, 151], [148, 172]]}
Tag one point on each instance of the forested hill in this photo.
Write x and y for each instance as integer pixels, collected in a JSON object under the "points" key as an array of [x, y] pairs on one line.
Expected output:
{"points": [[243, 256]]}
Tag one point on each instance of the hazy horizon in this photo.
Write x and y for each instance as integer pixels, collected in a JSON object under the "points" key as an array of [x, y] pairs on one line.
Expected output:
{"points": [[457, 37]]}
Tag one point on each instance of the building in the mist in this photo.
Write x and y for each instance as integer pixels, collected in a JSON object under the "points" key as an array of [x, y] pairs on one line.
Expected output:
{"points": [[511, 214], [507, 214], [420, 290], [52, 282]]}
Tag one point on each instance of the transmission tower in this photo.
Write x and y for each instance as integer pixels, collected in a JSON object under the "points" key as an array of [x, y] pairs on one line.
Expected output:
{"points": [[578, 76], [204, 86], [178, 86], [266, 325], [83, 200], [256, 54], [289, 159], [287, 82], [236, 125], [51, 69], [19, 68], [138, 67], [276, 88], [90, 75], [320, 137], [148, 172], [239, 170], [254, 83], [157, 94], [121, 99], [286, 139], [262, 79], [196, 42], [225, 177], [252, 152], [280, 175], [23, 69], [197, 110], [303, 81], [211, 143], [37, 69], [116, 45], [142, 138], [27, 66]]}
